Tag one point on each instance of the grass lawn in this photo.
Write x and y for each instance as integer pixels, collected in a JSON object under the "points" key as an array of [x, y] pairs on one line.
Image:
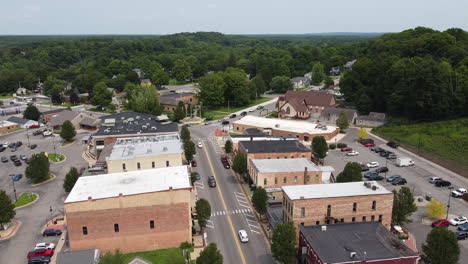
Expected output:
{"points": [[447, 139], [3, 97], [56, 157], [94, 109], [221, 112], [25, 198], [163, 256]]}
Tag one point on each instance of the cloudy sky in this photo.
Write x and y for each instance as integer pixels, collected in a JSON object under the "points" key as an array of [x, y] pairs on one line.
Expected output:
{"points": [[26, 17]]}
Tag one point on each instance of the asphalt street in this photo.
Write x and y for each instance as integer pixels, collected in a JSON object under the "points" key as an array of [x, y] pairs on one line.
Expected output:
{"points": [[51, 194], [231, 211]]}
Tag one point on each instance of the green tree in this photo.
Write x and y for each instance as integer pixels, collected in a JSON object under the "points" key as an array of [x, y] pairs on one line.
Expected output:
{"points": [[441, 247], [7, 209], [113, 258], [236, 87], [70, 179], [193, 178], [328, 81], [189, 150], [350, 173], [31, 113], [403, 206], [212, 90], [259, 200], [38, 168], [102, 97], [203, 209], [182, 71], [160, 77], [258, 86], [281, 84], [185, 134], [342, 121], [364, 105], [228, 146], [283, 245], [210, 255], [143, 99], [239, 165], [319, 147], [68, 131], [179, 113], [435, 209], [317, 73]]}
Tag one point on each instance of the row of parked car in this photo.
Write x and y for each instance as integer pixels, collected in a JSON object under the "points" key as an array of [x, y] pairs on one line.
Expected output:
{"points": [[41, 254], [460, 221]]}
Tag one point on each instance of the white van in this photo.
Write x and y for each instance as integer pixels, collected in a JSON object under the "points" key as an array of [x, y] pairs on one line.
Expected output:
{"points": [[403, 162]]}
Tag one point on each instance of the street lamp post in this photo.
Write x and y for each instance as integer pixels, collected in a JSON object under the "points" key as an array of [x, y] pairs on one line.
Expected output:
{"points": [[14, 188], [448, 204], [27, 135], [50, 210]]}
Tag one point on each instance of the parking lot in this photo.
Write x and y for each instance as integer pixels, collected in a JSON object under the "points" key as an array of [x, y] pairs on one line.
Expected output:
{"points": [[417, 177], [51, 194]]}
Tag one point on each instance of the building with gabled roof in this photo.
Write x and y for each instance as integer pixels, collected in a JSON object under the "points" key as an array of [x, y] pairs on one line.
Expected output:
{"points": [[303, 104]]}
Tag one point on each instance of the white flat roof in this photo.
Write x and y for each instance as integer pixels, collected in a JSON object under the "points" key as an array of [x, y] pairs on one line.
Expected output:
{"points": [[295, 126], [283, 165], [236, 140], [129, 183], [132, 147], [6, 123], [317, 191]]}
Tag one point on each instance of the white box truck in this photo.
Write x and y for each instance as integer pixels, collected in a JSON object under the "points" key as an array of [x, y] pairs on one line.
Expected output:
{"points": [[403, 162]]}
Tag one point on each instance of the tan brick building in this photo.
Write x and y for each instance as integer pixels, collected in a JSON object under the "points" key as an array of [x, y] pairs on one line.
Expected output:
{"points": [[339, 202], [7, 127], [272, 174], [143, 153], [303, 104], [170, 101], [134, 211], [302, 130], [267, 149]]}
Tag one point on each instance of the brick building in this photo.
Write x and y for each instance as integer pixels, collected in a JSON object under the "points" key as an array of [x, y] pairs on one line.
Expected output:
{"points": [[143, 153], [132, 211], [267, 149], [235, 139], [7, 127], [351, 243], [170, 101], [320, 204], [272, 174], [303, 104], [302, 130]]}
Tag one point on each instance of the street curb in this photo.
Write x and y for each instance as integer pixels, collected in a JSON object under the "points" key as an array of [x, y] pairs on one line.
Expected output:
{"points": [[44, 182], [31, 203], [13, 233], [68, 145], [423, 159], [56, 162]]}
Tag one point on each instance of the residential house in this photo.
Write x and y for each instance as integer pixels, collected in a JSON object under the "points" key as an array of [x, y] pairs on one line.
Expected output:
{"points": [[48, 115], [300, 82], [303, 104], [143, 153], [349, 65], [308, 76], [23, 123], [335, 71], [22, 91], [320, 204], [350, 243], [134, 211], [331, 114], [79, 120], [90, 256], [302, 130], [7, 127], [139, 72], [170, 101], [374, 119]]}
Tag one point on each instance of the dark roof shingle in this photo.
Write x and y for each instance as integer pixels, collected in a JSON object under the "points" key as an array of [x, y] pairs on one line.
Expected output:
{"points": [[277, 146]]}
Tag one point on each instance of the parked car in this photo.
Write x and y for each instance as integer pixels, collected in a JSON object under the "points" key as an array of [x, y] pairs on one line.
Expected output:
{"points": [[45, 245], [391, 156], [2, 148], [13, 157], [211, 181], [369, 145], [34, 126], [47, 134], [434, 179], [39, 260], [194, 163], [4, 160], [12, 145], [374, 177], [377, 150], [225, 122], [364, 167], [23, 157], [373, 164], [33, 146], [43, 252], [352, 153], [82, 170], [393, 177], [384, 153], [370, 174], [17, 163], [459, 192], [197, 175], [381, 170], [5, 145], [251, 110], [244, 113], [442, 183], [441, 223], [460, 220], [244, 238], [232, 116], [200, 145], [346, 149], [399, 181], [17, 177], [463, 227], [19, 144], [461, 235], [51, 232], [392, 144], [260, 107], [226, 164]]}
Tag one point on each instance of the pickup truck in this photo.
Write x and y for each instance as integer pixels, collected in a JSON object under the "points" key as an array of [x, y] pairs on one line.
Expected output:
{"points": [[459, 192]]}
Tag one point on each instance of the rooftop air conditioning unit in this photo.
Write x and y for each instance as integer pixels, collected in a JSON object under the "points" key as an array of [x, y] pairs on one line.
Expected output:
{"points": [[144, 127], [130, 119], [352, 255], [106, 131], [324, 228], [153, 128], [137, 117], [374, 187], [277, 125]]}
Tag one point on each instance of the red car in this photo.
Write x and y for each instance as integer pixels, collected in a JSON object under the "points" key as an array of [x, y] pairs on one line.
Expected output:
{"points": [[346, 149], [40, 253], [441, 222], [34, 126], [194, 163], [369, 145]]}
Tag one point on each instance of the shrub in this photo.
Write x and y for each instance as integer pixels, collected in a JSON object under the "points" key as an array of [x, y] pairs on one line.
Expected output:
{"points": [[332, 146], [341, 145]]}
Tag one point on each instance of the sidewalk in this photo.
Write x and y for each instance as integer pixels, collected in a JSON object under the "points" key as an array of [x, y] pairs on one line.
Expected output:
{"points": [[10, 231]]}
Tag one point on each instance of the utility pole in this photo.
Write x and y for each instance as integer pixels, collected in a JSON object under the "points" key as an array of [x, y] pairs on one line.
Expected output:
{"points": [[14, 188], [448, 204], [27, 135]]}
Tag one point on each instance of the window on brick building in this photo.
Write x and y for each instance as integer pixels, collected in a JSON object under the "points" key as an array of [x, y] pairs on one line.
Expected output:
{"points": [[374, 205], [284, 179], [354, 207], [308, 178], [85, 230], [167, 163], [316, 178], [364, 218], [302, 211], [276, 180], [295, 179], [380, 218], [342, 220], [302, 224], [116, 228], [153, 164], [317, 222], [329, 210], [151, 224], [138, 165], [124, 167], [353, 219], [372, 218], [265, 181]]}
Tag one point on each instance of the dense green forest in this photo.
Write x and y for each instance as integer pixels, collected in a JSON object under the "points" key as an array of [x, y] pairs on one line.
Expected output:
{"points": [[420, 74]]}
